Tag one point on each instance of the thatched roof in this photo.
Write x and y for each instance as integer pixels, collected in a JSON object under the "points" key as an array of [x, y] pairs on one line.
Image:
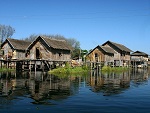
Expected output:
{"points": [[104, 49], [53, 43], [108, 49], [17, 44], [139, 53], [56, 44], [119, 46]]}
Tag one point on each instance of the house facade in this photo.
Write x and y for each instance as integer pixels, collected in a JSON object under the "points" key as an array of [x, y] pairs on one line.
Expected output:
{"points": [[139, 59], [41, 48], [14, 49], [121, 55], [49, 49], [102, 54]]}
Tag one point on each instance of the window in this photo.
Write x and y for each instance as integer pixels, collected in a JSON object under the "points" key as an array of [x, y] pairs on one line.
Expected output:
{"points": [[96, 55], [60, 54], [37, 53]]}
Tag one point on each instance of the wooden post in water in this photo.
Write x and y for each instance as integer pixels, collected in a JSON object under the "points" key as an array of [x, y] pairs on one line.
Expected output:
{"points": [[1, 64], [30, 66], [91, 65], [27, 64], [23, 65], [43, 67], [35, 66], [7, 64]]}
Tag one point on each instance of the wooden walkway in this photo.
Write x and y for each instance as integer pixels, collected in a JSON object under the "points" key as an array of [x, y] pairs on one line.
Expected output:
{"points": [[31, 64]]}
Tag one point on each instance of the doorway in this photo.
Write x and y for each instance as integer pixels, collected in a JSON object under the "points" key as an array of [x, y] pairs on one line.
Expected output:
{"points": [[37, 53], [96, 57]]}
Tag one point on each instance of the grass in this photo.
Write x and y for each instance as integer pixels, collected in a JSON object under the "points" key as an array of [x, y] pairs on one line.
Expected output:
{"points": [[69, 70], [84, 70], [114, 69], [6, 69]]}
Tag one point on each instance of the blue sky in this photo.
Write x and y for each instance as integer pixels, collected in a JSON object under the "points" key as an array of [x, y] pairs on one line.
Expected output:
{"points": [[91, 22]]}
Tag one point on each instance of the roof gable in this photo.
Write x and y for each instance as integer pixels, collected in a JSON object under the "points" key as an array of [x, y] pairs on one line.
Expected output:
{"points": [[57, 44], [119, 46], [54, 43], [103, 49], [139, 53], [17, 44]]}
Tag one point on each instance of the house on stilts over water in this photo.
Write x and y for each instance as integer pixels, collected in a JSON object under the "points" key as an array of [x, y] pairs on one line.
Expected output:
{"points": [[139, 59], [42, 52], [101, 54], [14, 49], [110, 54]]}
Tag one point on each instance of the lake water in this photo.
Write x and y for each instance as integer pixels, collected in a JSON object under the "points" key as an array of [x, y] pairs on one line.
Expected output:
{"points": [[126, 92]]}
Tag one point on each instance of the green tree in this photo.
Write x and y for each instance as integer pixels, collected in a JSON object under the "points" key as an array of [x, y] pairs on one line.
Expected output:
{"points": [[75, 54], [83, 53]]}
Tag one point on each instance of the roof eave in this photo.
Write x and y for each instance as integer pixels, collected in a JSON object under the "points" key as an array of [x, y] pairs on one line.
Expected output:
{"points": [[8, 41]]}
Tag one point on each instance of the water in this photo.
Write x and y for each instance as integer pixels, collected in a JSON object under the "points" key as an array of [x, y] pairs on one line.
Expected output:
{"points": [[39, 92]]}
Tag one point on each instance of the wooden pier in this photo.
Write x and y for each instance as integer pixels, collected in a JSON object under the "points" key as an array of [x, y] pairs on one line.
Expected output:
{"points": [[31, 65]]}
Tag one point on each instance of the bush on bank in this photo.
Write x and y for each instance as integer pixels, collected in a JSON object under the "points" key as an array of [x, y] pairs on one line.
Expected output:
{"points": [[70, 70], [114, 69], [84, 69]]}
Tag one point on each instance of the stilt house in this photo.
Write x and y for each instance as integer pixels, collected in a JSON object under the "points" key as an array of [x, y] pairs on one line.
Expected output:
{"points": [[102, 54], [121, 55], [139, 59], [49, 49], [14, 49]]}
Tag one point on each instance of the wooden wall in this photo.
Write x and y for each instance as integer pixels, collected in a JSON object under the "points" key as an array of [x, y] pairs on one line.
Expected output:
{"points": [[10, 53], [100, 58], [48, 53]]}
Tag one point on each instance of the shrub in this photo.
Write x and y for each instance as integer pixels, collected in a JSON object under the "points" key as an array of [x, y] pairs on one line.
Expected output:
{"points": [[114, 69]]}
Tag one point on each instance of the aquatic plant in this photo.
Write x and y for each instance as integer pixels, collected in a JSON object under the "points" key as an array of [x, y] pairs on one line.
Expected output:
{"points": [[70, 70], [114, 69]]}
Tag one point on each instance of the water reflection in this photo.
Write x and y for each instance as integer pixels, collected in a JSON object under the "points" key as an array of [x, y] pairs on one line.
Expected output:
{"points": [[42, 88], [38, 86], [139, 76], [109, 83], [115, 83]]}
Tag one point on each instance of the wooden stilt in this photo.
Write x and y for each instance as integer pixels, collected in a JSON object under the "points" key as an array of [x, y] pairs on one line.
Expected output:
{"points": [[30, 66], [35, 66]]}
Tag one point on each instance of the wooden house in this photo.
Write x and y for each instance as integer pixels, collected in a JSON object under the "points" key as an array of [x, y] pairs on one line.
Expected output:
{"points": [[14, 49], [139, 59], [49, 49], [102, 54], [121, 55]]}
